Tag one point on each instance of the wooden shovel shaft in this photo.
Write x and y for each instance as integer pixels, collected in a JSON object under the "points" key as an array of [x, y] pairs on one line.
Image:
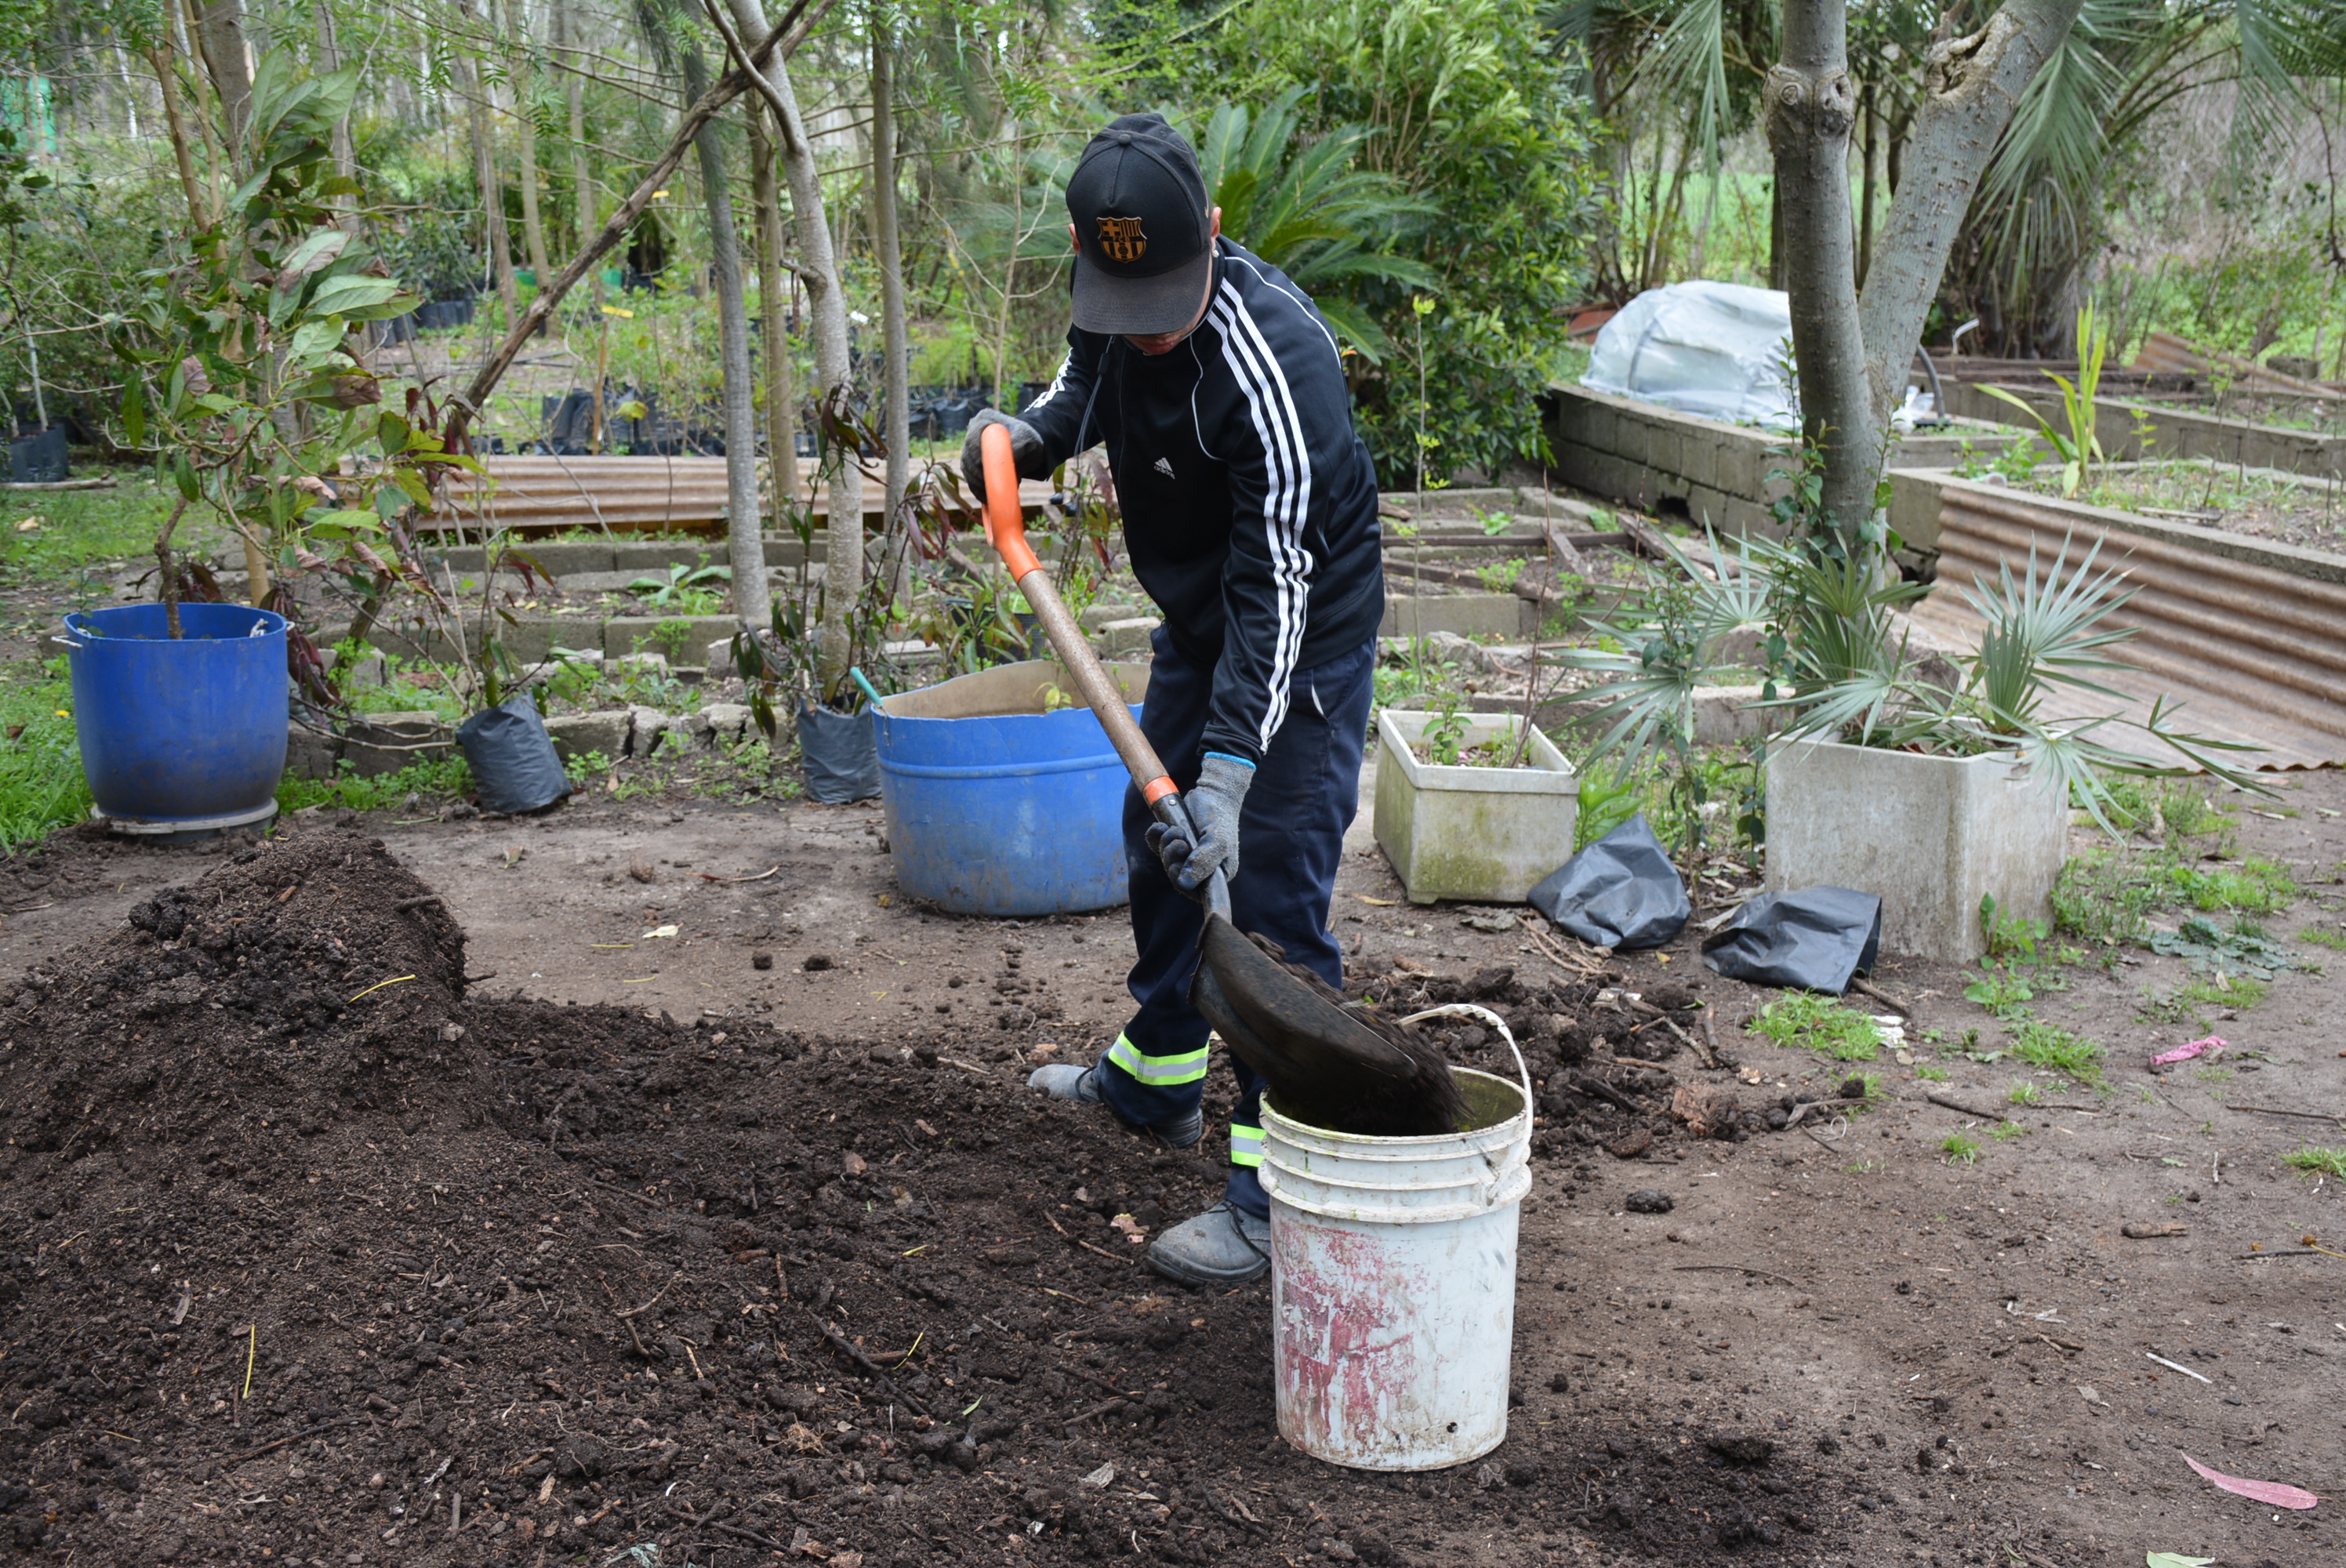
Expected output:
{"points": [[1006, 530]]}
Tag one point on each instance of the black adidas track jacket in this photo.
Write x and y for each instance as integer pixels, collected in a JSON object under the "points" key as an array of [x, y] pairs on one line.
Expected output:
{"points": [[1249, 504]]}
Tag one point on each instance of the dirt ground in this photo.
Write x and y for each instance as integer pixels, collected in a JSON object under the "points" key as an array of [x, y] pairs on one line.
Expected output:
{"points": [[555, 1286]]}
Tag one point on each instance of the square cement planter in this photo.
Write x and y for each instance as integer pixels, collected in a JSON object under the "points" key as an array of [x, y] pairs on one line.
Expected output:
{"points": [[1482, 834], [1927, 835]]}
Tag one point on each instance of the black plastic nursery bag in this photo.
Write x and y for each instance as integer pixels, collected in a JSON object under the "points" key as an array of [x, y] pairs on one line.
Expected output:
{"points": [[840, 754], [1621, 892], [512, 758], [1814, 939]]}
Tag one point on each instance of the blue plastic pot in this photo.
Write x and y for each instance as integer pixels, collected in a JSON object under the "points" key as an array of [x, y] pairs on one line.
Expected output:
{"points": [[180, 737], [996, 807]]}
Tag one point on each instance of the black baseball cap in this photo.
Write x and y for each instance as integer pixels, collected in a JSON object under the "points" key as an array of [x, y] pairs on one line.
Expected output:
{"points": [[1144, 233]]}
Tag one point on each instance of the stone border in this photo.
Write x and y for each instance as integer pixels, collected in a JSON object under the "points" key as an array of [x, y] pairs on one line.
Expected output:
{"points": [[2174, 431]]}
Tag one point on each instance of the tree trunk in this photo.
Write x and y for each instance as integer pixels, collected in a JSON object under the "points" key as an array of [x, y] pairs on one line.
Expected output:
{"points": [[1970, 88], [1868, 106], [484, 170], [582, 185], [199, 212], [219, 39], [346, 159], [774, 305], [742, 530], [896, 425], [1852, 355], [1809, 107], [827, 322], [524, 78]]}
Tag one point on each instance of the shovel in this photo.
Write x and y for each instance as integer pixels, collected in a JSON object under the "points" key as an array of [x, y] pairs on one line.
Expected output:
{"points": [[1305, 1044]]}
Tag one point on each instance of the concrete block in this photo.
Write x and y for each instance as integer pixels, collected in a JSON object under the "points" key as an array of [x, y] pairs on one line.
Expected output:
{"points": [[658, 555], [614, 669], [1927, 835], [674, 635], [1126, 639], [786, 551], [1487, 835], [563, 557], [1604, 427], [311, 754], [728, 721], [383, 743], [1724, 715], [649, 728], [1469, 615], [577, 734]]}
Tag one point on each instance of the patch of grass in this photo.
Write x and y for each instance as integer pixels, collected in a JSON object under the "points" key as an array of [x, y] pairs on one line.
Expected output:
{"points": [[1936, 1074], [2189, 1003], [1814, 1023], [2327, 1162], [2007, 1131], [41, 783], [1959, 1149], [2099, 897], [2024, 1092], [439, 779], [2324, 936], [2058, 1050], [2253, 886], [80, 527]]}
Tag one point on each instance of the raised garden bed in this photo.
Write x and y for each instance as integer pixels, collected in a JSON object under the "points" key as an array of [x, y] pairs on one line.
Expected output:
{"points": [[1487, 832], [2237, 431]]}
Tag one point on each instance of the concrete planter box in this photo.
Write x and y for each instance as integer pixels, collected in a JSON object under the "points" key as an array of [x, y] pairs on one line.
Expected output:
{"points": [[1487, 835], [2122, 425], [1927, 835]]}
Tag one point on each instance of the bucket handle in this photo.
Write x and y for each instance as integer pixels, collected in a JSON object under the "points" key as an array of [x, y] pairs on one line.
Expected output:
{"points": [[1468, 1010], [68, 642]]}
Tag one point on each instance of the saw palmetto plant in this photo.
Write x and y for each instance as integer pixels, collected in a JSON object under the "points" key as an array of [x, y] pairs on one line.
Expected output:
{"points": [[1838, 665]]}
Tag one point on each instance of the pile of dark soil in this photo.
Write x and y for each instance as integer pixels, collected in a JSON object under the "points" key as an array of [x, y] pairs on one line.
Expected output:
{"points": [[302, 1265]]}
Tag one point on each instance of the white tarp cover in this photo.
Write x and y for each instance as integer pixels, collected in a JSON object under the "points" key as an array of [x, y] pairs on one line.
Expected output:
{"points": [[1716, 350]]}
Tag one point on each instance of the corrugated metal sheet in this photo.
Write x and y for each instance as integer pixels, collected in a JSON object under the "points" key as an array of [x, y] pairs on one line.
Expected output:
{"points": [[2255, 648], [2167, 352]]}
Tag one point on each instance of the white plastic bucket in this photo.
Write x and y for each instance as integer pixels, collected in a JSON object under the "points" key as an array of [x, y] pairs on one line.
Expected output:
{"points": [[1393, 1270]]}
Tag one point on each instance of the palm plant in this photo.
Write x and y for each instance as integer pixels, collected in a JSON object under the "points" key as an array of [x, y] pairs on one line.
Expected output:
{"points": [[1302, 204], [1840, 670]]}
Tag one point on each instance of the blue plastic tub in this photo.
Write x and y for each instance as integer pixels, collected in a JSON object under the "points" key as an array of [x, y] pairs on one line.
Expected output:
{"points": [[180, 737], [997, 807]]}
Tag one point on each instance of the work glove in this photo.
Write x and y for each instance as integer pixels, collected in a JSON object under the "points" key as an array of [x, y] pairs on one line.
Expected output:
{"points": [[1026, 451], [1213, 806]]}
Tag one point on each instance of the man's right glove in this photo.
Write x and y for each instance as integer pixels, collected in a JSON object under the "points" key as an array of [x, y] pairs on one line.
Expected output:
{"points": [[1026, 451], [1214, 806]]}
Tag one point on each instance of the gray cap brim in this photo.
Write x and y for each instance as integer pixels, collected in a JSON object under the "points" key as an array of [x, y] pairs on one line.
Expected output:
{"points": [[1141, 307]]}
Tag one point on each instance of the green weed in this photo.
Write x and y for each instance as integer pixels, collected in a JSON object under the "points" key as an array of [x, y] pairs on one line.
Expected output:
{"points": [[1934, 1074], [440, 780], [2058, 1050], [2323, 936], [2024, 1092], [2329, 1162], [1959, 1149], [1820, 1023], [2006, 1131], [2101, 898], [2190, 1002], [41, 783]]}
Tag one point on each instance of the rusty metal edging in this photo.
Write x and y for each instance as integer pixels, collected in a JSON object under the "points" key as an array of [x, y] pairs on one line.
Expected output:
{"points": [[2259, 650]]}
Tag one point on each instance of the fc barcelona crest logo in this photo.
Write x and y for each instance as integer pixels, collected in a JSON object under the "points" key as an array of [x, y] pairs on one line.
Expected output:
{"points": [[1122, 239]]}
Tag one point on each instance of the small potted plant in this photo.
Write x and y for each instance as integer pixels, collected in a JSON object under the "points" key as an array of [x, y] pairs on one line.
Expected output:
{"points": [[1930, 782], [1473, 805], [245, 380]]}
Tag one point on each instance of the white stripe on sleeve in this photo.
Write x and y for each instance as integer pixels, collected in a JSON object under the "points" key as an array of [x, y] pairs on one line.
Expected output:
{"points": [[1287, 502]]}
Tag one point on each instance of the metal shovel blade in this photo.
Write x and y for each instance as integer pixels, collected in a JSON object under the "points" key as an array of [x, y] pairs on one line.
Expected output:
{"points": [[1260, 1010]]}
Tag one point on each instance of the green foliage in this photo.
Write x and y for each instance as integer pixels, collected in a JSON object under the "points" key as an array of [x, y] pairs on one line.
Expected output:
{"points": [[1960, 1150], [2024, 1092], [1608, 795], [1820, 1024], [2058, 1050], [2079, 445], [1469, 108], [2100, 897], [2324, 936], [2242, 948], [1932, 1074], [438, 780], [1303, 204], [1444, 733], [2312, 1157], [2007, 1131], [686, 589], [2016, 462], [2191, 1003], [41, 784]]}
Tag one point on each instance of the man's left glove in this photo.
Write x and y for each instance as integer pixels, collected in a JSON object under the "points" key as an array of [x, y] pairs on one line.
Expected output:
{"points": [[1214, 805], [1025, 450]]}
